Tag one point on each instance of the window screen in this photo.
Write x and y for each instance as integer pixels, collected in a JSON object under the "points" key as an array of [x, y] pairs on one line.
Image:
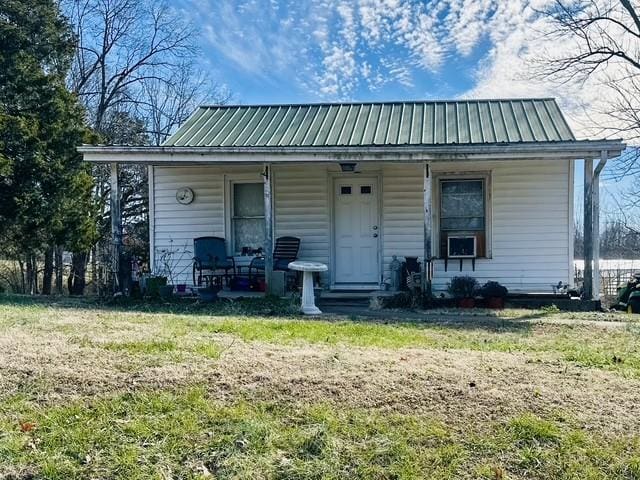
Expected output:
{"points": [[247, 216], [462, 205], [462, 216]]}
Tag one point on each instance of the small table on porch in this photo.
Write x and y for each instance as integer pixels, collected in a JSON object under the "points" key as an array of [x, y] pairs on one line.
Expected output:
{"points": [[308, 306]]}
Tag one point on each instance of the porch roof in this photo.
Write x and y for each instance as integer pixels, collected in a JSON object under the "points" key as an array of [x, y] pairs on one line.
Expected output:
{"points": [[511, 129], [169, 155], [461, 122]]}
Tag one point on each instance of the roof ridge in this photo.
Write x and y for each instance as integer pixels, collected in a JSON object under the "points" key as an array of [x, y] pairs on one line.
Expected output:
{"points": [[380, 102]]}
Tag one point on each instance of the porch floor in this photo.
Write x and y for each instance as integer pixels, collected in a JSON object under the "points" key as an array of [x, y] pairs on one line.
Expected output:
{"points": [[342, 297], [236, 294]]}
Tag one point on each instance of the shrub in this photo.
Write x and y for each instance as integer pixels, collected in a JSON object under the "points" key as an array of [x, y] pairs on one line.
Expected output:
{"points": [[463, 287], [400, 300], [493, 289]]}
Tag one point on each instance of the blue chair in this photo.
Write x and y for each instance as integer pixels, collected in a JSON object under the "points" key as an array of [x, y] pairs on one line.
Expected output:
{"points": [[210, 254], [284, 252]]}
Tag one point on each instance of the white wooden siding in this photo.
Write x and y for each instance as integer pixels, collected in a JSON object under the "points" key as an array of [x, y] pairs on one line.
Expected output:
{"points": [[530, 216], [301, 209], [402, 217], [176, 225], [300, 206], [530, 229]]}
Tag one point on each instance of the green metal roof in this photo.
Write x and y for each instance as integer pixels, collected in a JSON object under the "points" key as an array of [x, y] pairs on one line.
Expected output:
{"points": [[371, 124]]}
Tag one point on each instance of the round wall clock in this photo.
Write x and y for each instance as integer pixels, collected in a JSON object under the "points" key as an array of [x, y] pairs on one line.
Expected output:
{"points": [[185, 195]]}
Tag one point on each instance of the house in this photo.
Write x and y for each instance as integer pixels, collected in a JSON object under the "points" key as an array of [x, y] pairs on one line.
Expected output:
{"points": [[478, 187]]}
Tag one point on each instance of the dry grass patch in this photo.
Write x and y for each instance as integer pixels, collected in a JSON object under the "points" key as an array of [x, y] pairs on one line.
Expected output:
{"points": [[104, 393], [187, 435]]}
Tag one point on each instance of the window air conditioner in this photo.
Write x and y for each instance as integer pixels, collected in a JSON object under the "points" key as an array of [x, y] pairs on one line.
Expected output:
{"points": [[461, 246]]}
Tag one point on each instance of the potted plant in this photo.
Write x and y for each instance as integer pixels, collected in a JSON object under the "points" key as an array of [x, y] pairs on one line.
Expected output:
{"points": [[171, 264], [463, 290], [494, 294]]}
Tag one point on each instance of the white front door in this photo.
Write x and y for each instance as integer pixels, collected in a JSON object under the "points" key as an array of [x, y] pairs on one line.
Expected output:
{"points": [[356, 231]]}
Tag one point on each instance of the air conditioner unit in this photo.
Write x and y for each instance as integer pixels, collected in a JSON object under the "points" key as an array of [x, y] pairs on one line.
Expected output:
{"points": [[461, 246]]}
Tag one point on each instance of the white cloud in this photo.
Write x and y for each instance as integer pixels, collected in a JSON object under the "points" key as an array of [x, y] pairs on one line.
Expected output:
{"points": [[339, 72], [466, 22], [251, 34], [520, 37], [328, 44], [333, 48]]}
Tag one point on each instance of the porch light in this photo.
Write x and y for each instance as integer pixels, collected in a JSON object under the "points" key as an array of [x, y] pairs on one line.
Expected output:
{"points": [[348, 167]]}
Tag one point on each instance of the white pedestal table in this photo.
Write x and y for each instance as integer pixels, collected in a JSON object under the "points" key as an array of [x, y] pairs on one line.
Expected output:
{"points": [[308, 306]]}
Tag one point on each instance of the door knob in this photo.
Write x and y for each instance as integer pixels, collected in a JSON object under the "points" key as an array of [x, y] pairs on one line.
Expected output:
{"points": [[375, 227], [375, 235]]}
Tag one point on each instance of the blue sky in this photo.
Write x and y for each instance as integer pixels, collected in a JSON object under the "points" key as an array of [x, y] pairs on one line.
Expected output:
{"points": [[323, 50], [290, 51]]}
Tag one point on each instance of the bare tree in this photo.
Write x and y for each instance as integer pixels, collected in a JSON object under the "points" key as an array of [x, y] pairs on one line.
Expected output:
{"points": [[121, 45], [601, 47], [624, 212], [601, 43], [135, 71], [166, 105]]}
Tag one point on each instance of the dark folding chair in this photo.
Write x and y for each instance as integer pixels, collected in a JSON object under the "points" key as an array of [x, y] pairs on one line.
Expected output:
{"points": [[284, 252], [210, 254]]}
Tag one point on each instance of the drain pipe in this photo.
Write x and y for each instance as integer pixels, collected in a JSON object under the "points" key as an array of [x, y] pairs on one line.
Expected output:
{"points": [[604, 156]]}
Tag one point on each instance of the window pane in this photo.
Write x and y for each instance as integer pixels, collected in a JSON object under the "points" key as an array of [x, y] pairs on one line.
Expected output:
{"points": [[462, 205], [468, 187], [471, 223], [365, 189], [345, 190], [248, 200], [248, 232]]}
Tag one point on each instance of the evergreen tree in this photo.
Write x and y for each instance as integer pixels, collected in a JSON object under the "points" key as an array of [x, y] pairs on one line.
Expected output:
{"points": [[44, 187]]}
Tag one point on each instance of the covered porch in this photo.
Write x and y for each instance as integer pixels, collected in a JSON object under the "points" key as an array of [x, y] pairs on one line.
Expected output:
{"points": [[384, 204]]}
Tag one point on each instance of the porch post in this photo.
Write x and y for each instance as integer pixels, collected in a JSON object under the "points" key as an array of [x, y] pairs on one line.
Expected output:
{"points": [[116, 229], [588, 229], [596, 223], [268, 224], [428, 214]]}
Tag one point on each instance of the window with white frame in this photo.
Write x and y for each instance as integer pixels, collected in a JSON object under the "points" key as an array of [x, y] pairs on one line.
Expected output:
{"points": [[463, 217], [247, 215]]}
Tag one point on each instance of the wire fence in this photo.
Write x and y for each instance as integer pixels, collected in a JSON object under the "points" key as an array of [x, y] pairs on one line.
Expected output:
{"points": [[613, 275]]}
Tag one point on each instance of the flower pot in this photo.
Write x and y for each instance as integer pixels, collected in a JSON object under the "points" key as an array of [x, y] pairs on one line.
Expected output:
{"points": [[466, 303], [495, 303]]}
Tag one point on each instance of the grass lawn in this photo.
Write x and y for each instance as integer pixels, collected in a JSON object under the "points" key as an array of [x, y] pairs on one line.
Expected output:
{"points": [[162, 392]]}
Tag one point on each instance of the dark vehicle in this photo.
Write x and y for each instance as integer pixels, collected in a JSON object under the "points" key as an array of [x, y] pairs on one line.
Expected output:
{"points": [[629, 295]]}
